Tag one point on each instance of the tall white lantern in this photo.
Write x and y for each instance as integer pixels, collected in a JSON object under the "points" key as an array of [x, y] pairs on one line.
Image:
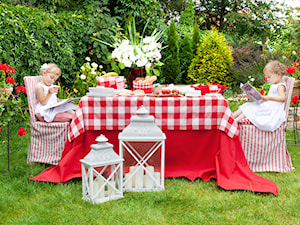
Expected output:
{"points": [[102, 173], [142, 146]]}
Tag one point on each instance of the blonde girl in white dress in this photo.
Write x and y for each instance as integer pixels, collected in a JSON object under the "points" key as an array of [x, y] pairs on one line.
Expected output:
{"points": [[270, 114], [50, 73]]}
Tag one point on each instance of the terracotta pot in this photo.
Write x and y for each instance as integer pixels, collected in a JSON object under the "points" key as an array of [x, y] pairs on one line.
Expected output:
{"points": [[134, 73], [7, 91]]}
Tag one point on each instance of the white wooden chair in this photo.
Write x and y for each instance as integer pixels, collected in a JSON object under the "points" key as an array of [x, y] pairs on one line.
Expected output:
{"points": [[47, 140], [266, 150]]}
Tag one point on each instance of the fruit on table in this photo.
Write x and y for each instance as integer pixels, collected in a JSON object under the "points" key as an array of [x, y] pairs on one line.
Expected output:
{"points": [[110, 74]]}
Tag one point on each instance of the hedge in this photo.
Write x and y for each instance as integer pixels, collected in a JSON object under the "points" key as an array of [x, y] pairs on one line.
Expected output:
{"points": [[30, 37]]}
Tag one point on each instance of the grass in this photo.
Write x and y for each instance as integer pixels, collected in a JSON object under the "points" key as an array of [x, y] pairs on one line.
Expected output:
{"points": [[23, 201]]}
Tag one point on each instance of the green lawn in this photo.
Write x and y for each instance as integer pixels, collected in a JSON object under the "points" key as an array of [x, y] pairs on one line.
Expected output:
{"points": [[183, 202]]}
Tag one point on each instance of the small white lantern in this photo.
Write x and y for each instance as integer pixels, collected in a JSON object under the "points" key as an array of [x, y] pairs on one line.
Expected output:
{"points": [[102, 173], [142, 145]]}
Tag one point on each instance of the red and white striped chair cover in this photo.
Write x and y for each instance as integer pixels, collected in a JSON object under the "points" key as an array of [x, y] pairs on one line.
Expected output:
{"points": [[266, 151], [47, 140]]}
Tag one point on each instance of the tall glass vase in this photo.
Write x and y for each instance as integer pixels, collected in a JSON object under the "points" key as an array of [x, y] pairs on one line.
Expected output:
{"points": [[134, 73]]}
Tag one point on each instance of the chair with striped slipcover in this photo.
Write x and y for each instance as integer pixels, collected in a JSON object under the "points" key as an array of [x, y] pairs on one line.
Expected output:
{"points": [[47, 140], [266, 151]]}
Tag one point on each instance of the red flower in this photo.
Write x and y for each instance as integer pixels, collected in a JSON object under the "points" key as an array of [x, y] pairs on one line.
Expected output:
{"points": [[265, 79], [21, 131], [290, 69], [295, 100], [10, 80], [20, 89], [0, 129], [262, 92]]}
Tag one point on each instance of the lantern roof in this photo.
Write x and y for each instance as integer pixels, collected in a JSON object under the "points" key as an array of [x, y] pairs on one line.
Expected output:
{"points": [[101, 153], [142, 127]]}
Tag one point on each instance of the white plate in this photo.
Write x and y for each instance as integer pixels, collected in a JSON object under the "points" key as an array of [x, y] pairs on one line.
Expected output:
{"points": [[213, 94], [99, 94]]}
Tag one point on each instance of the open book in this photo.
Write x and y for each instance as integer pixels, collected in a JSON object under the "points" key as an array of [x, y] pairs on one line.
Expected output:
{"points": [[252, 92], [62, 102]]}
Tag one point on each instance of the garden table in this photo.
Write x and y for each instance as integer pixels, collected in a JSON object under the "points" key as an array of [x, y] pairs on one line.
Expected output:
{"points": [[202, 138]]}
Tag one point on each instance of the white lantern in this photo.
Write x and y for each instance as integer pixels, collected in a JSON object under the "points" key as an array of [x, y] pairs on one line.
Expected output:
{"points": [[142, 145], [101, 173]]}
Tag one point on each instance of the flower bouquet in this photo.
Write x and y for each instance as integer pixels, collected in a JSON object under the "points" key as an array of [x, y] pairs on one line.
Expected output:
{"points": [[136, 51]]}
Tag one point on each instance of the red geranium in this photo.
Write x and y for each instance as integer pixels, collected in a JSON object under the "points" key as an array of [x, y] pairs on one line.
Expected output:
{"points": [[10, 80], [13, 107], [262, 92], [21, 131], [20, 89], [295, 100], [294, 70], [265, 79]]}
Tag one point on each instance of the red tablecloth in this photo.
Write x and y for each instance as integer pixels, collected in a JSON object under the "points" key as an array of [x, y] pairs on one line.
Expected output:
{"points": [[206, 153]]}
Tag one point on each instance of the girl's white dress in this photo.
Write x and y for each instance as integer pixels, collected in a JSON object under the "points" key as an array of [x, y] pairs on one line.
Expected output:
{"points": [[49, 114], [267, 116]]}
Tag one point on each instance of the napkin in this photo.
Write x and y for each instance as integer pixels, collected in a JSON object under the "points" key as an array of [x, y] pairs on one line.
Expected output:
{"points": [[205, 88]]}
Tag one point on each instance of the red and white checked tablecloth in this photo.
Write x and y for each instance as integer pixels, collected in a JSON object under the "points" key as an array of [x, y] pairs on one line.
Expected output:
{"points": [[170, 113]]}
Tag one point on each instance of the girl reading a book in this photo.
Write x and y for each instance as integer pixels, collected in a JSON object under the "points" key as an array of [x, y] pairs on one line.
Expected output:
{"points": [[47, 97], [270, 114]]}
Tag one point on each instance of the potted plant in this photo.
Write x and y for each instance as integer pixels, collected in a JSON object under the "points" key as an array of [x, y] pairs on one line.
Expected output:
{"points": [[13, 106]]}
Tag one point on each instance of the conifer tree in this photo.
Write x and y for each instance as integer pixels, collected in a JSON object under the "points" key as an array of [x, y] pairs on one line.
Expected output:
{"points": [[171, 67], [213, 59], [185, 55], [196, 37]]}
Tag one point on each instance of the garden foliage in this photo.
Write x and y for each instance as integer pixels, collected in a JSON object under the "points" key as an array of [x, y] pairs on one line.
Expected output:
{"points": [[213, 59], [171, 67]]}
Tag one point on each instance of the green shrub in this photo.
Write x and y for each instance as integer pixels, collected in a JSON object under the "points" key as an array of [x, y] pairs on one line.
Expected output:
{"points": [[212, 61], [171, 67]]}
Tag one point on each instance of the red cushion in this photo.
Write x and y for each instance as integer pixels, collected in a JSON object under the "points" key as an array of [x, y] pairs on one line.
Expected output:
{"points": [[59, 117]]}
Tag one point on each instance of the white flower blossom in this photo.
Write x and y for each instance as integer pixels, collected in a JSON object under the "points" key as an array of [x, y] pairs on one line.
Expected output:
{"points": [[88, 59], [93, 72], [94, 65], [82, 77], [82, 68]]}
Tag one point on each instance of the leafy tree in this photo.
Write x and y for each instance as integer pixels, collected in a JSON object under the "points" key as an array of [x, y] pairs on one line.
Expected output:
{"points": [[185, 55], [141, 10], [244, 17], [213, 60], [171, 67]]}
